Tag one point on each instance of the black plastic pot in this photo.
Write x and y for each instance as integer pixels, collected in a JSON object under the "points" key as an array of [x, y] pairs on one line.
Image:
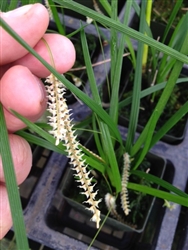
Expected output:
{"points": [[9, 242], [174, 138], [40, 159], [157, 169]]}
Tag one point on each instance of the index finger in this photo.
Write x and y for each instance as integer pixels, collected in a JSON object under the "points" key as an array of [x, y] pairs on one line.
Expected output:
{"points": [[30, 22]]}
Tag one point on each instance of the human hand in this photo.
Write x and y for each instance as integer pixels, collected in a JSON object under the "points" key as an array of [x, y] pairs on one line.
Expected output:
{"points": [[20, 87]]}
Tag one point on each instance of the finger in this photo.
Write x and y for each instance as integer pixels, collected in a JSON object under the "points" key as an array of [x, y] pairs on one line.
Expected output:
{"points": [[61, 49], [5, 214], [24, 21], [21, 91], [22, 158]]}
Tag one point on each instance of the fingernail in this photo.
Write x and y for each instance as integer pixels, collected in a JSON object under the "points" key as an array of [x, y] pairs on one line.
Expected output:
{"points": [[19, 11]]}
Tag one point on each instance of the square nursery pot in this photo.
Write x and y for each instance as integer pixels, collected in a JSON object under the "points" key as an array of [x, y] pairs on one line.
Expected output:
{"points": [[157, 168], [51, 221], [40, 157], [9, 243], [177, 134]]}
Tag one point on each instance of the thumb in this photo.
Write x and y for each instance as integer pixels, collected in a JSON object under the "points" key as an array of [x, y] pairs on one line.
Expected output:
{"points": [[30, 22]]}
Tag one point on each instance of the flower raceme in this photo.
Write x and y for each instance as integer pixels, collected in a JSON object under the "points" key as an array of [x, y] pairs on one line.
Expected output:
{"points": [[62, 130], [124, 182], [110, 200]]}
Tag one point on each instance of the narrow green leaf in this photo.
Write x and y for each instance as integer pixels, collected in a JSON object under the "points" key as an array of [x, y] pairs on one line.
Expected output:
{"points": [[149, 91], [160, 182], [24, 2], [175, 10], [105, 134], [176, 42], [35, 128], [113, 169], [120, 27], [57, 20], [90, 73], [116, 75], [13, 5], [163, 99], [135, 106], [42, 142], [113, 43], [12, 187], [96, 137], [158, 193], [3, 6], [50, 142], [169, 124], [151, 127], [106, 6]]}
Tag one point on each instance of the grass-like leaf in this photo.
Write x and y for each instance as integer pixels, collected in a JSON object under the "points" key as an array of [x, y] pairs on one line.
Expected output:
{"points": [[176, 42], [162, 101], [56, 18], [175, 10], [104, 129], [3, 6], [149, 91], [12, 187], [160, 182], [41, 142], [106, 6], [13, 5], [116, 70], [159, 193], [49, 142], [169, 124], [120, 27], [136, 86], [90, 73]]}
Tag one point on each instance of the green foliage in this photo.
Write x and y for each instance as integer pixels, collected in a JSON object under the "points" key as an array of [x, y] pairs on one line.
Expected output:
{"points": [[104, 123], [11, 185]]}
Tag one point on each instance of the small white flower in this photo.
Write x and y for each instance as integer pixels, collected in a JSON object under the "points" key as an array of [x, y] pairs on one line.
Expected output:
{"points": [[89, 20], [110, 201], [171, 206]]}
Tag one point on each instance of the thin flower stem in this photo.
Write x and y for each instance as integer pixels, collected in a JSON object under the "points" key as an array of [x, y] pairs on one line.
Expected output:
{"points": [[96, 64]]}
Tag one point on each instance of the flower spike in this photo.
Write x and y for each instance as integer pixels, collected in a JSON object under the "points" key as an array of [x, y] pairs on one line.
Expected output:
{"points": [[62, 130], [124, 181]]}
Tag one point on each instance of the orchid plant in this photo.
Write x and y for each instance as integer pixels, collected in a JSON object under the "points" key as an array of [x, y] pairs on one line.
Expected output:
{"points": [[61, 132]]}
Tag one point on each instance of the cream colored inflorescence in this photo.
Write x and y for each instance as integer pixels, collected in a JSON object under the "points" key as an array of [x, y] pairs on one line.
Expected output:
{"points": [[62, 130], [110, 200], [124, 181]]}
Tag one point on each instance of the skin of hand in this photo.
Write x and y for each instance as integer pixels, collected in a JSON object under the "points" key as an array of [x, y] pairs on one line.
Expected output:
{"points": [[20, 85]]}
